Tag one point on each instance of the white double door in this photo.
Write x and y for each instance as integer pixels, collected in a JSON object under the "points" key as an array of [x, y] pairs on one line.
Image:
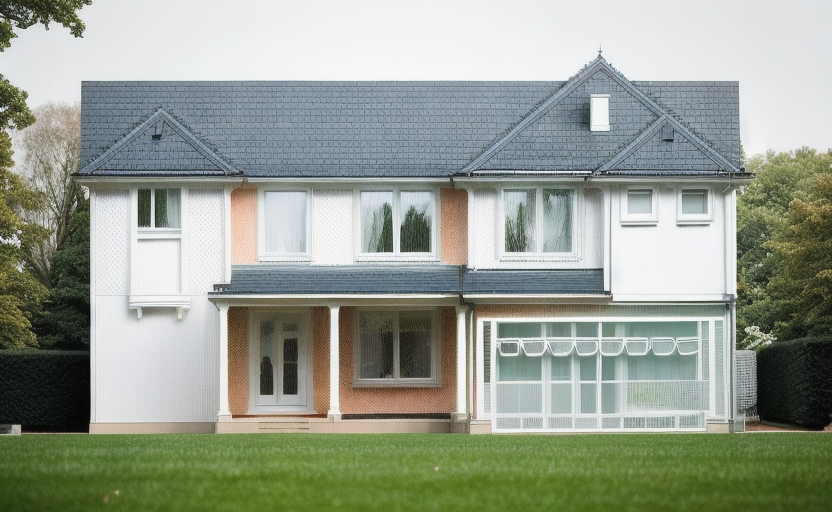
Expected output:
{"points": [[280, 370]]}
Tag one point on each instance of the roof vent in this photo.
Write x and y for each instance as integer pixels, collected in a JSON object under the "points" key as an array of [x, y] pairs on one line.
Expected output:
{"points": [[599, 112], [668, 134], [157, 131]]}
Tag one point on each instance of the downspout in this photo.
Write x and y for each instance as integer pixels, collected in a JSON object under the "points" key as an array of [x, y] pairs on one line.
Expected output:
{"points": [[469, 399]]}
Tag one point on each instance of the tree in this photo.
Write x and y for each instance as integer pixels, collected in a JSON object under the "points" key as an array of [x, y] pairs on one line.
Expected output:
{"points": [[65, 321], [516, 238], [20, 293], [763, 220], [803, 287], [22, 14], [415, 231], [51, 152]]}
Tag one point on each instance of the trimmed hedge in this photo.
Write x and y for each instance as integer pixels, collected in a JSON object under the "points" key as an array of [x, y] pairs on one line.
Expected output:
{"points": [[794, 382], [45, 390]]}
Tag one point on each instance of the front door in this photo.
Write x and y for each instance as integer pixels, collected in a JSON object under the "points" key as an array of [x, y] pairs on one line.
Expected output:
{"points": [[280, 366]]}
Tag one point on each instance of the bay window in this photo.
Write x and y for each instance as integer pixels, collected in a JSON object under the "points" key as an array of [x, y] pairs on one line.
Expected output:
{"points": [[159, 208]]}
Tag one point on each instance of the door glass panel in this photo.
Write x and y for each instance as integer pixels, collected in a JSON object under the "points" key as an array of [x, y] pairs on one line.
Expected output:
{"points": [[267, 357], [290, 366]]}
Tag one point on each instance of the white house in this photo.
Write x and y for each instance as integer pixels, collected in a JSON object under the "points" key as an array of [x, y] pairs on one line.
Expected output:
{"points": [[412, 256]]}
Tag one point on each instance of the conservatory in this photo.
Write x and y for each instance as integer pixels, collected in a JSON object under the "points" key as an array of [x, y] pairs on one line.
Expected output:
{"points": [[601, 374]]}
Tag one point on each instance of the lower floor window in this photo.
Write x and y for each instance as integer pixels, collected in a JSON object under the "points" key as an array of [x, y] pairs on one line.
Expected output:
{"points": [[397, 348]]}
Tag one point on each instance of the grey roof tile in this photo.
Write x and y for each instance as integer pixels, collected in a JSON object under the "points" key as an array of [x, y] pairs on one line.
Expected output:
{"points": [[401, 129], [407, 280]]}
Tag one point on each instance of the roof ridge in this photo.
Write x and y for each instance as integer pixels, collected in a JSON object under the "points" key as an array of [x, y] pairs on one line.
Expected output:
{"points": [[179, 128]]}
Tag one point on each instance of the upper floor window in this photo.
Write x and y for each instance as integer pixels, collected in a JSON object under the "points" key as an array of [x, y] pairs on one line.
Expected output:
{"points": [[695, 205], [397, 222], [639, 206], [159, 208], [285, 223], [538, 220]]}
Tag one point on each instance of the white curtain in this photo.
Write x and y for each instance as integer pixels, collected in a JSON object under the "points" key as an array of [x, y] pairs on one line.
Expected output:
{"points": [[285, 214], [557, 220]]}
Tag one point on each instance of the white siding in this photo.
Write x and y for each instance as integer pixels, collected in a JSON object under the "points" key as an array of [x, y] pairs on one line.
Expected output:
{"points": [[157, 369], [332, 229], [588, 237], [668, 260], [111, 242]]}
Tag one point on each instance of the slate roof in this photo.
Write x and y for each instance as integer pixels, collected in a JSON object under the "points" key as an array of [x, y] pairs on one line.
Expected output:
{"points": [[405, 129], [407, 280]]}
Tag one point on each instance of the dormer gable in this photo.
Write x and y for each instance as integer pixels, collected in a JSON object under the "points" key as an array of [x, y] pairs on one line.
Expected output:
{"points": [[598, 120], [159, 146]]}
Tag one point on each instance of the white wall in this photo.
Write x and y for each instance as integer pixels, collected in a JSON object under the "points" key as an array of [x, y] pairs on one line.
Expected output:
{"points": [[668, 260], [157, 368]]}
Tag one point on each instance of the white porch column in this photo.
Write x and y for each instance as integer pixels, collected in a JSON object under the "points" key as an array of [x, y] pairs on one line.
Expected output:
{"points": [[460, 412], [223, 414], [334, 363]]}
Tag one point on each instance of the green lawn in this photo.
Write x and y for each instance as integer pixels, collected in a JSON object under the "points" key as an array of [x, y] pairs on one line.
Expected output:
{"points": [[285, 472]]}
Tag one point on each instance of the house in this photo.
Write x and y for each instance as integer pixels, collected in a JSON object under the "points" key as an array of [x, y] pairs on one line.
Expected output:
{"points": [[478, 257]]}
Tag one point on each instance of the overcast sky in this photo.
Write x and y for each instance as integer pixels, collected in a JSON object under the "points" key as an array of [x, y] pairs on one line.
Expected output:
{"points": [[780, 51]]}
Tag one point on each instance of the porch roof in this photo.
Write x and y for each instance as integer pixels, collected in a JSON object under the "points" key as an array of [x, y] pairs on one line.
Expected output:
{"points": [[445, 280]]}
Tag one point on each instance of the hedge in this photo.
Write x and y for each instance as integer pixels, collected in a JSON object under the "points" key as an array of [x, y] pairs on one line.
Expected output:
{"points": [[794, 382], [45, 390]]}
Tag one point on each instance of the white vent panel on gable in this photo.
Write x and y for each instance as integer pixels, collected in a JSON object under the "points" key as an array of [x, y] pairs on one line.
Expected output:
{"points": [[599, 112]]}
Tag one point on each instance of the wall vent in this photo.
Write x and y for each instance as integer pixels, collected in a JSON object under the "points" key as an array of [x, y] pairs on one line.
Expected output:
{"points": [[599, 112]]}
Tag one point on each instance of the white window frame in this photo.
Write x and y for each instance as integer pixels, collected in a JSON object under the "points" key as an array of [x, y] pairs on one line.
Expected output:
{"points": [[651, 218], [181, 301], [434, 381], [397, 254], [263, 254], [695, 218], [537, 254]]}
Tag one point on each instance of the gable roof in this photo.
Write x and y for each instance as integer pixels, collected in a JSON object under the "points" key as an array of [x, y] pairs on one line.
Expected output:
{"points": [[160, 145], [406, 129]]}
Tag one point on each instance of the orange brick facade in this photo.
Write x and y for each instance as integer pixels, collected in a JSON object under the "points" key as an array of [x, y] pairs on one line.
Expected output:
{"points": [[353, 400]]}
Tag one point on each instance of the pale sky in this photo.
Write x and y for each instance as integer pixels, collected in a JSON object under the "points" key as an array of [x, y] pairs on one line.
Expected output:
{"points": [[780, 51]]}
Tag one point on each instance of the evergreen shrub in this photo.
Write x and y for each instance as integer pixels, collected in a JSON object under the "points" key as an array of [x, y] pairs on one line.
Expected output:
{"points": [[45, 390], [794, 382]]}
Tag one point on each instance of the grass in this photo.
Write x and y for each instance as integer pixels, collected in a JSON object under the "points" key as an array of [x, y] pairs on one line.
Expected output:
{"points": [[306, 472]]}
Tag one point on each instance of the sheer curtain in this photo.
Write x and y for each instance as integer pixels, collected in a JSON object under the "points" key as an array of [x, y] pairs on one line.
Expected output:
{"points": [[377, 222], [557, 220], [285, 230]]}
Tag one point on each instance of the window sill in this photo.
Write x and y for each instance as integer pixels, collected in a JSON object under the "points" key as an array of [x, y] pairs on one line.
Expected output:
{"points": [[694, 221], [364, 258], [390, 383], [182, 303]]}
